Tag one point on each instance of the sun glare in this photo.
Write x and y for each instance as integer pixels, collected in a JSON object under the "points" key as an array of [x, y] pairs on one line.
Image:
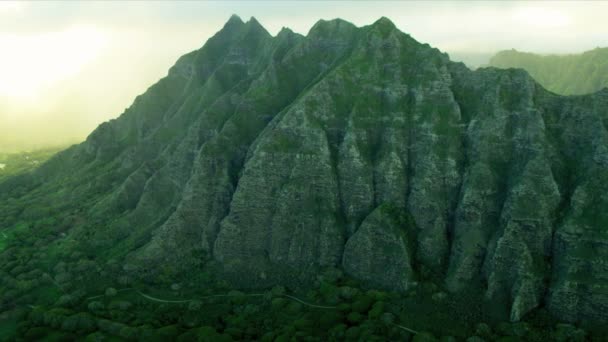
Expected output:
{"points": [[542, 17], [11, 6], [30, 63]]}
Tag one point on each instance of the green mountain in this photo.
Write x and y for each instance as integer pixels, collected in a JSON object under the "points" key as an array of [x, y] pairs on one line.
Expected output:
{"points": [[563, 74], [344, 160]]}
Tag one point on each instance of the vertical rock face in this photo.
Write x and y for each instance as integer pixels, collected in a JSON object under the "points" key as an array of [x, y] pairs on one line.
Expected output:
{"points": [[379, 253], [351, 147]]}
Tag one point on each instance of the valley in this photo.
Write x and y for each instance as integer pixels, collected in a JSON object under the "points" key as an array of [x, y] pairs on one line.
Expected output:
{"points": [[19, 162]]}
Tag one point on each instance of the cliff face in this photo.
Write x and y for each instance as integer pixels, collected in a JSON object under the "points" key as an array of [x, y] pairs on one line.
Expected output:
{"points": [[357, 148], [563, 74]]}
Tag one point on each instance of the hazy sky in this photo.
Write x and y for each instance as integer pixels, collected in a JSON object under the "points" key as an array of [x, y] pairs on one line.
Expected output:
{"points": [[67, 66]]}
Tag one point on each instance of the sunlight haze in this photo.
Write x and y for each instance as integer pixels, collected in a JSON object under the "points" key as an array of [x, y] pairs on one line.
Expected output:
{"points": [[65, 67]]}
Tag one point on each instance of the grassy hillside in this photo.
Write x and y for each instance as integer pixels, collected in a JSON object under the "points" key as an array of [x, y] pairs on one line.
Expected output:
{"points": [[563, 74]]}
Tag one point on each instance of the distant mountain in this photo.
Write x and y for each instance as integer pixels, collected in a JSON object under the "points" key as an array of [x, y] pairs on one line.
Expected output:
{"points": [[265, 161], [563, 74], [472, 60]]}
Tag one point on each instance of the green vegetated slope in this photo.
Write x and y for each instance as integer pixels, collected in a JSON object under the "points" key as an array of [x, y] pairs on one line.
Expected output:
{"points": [[17, 162], [563, 74], [463, 197]]}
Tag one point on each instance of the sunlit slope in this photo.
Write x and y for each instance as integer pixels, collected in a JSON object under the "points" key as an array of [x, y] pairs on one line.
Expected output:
{"points": [[563, 74]]}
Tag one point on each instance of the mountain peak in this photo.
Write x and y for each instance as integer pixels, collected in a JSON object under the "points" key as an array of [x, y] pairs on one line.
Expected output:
{"points": [[333, 26], [253, 21], [384, 22], [233, 24], [383, 25], [234, 19], [235, 27], [254, 27], [285, 30]]}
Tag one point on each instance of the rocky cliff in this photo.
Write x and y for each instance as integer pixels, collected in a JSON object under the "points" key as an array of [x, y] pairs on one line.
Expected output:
{"points": [[358, 148]]}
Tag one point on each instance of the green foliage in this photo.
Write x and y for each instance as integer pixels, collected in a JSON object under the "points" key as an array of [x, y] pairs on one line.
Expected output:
{"points": [[424, 337], [362, 303], [275, 315]]}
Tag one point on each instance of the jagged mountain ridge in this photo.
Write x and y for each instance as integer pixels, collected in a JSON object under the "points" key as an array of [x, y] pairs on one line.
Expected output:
{"points": [[574, 74], [352, 147]]}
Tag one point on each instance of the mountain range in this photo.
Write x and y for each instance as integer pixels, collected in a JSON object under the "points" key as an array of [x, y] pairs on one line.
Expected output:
{"points": [[268, 159], [574, 74]]}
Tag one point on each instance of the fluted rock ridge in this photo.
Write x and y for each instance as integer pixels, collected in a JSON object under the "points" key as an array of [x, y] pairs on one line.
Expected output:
{"points": [[357, 148]]}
